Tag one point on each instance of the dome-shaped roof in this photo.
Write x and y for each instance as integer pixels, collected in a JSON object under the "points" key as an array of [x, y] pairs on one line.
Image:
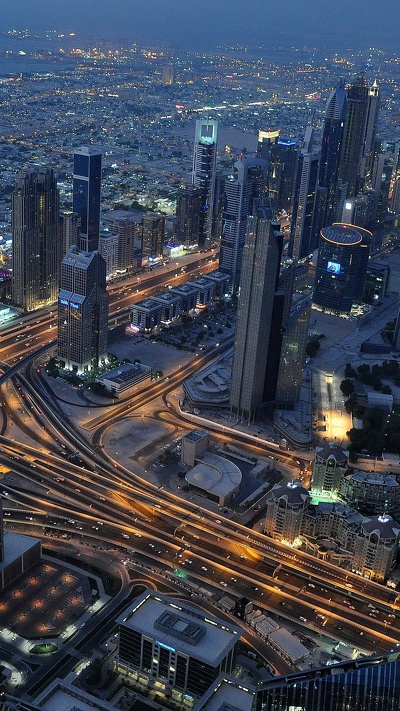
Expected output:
{"points": [[293, 492], [333, 451], [383, 526]]}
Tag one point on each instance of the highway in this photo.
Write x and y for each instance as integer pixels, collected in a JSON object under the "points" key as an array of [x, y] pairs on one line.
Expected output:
{"points": [[105, 502]]}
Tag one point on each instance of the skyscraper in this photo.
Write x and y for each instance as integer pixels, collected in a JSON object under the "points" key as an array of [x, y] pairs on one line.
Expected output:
{"points": [[86, 195], [153, 234], [261, 264], [69, 231], [188, 216], [282, 173], [332, 137], [370, 127], [354, 132], [203, 174], [292, 356], [82, 311], [36, 248], [301, 243], [247, 183]]}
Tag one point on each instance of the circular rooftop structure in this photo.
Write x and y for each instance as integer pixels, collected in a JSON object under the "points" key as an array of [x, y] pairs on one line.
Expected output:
{"points": [[341, 233]]}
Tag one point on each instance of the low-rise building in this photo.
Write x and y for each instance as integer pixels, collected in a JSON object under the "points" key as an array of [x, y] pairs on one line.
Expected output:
{"points": [[216, 477], [124, 379]]}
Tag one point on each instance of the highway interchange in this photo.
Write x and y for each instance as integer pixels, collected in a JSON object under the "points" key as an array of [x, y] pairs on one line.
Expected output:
{"points": [[153, 528]]}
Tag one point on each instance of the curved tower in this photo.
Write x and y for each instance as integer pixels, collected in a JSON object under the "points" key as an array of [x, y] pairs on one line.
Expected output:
{"points": [[341, 267]]}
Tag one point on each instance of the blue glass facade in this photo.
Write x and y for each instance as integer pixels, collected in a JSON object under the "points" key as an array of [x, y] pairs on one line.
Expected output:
{"points": [[341, 267], [371, 684], [86, 195]]}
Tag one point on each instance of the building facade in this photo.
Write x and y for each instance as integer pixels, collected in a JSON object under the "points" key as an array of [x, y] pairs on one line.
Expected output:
{"points": [[258, 283], [189, 209], [87, 195], [173, 647], [365, 684], [36, 239], [204, 173], [341, 267], [82, 311], [292, 356], [243, 187], [153, 225]]}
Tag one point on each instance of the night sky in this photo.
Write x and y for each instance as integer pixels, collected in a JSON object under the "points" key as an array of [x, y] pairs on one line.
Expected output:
{"points": [[201, 24]]}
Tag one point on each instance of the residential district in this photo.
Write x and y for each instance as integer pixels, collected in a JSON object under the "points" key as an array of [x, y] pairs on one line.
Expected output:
{"points": [[200, 377]]}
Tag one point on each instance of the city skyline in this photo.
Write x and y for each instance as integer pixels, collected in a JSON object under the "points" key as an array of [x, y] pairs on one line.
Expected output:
{"points": [[184, 301], [332, 23]]}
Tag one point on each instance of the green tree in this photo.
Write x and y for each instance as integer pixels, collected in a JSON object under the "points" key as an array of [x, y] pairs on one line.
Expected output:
{"points": [[347, 387], [312, 347]]}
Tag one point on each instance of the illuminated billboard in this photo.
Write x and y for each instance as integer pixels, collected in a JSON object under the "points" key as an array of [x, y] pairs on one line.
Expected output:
{"points": [[333, 268]]}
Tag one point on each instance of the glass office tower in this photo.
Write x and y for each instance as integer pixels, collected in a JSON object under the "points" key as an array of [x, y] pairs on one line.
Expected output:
{"points": [[366, 684], [86, 195]]}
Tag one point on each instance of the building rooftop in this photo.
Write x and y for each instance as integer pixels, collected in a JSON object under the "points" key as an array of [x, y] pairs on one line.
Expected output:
{"points": [[15, 545], [215, 475], [124, 372], [293, 492], [373, 478], [384, 527], [341, 233], [333, 451], [147, 304], [195, 435], [227, 694], [172, 622]]}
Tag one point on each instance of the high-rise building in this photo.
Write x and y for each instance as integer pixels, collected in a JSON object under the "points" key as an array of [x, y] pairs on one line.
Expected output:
{"points": [[292, 356], [281, 174], [86, 195], [354, 133], [258, 283], [371, 123], [365, 684], [108, 249], [69, 231], [243, 187], [82, 311], [301, 243], [384, 169], [36, 243], [203, 174], [327, 197], [341, 267], [266, 139], [168, 74], [128, 232], [153, 224], [188, 216]]}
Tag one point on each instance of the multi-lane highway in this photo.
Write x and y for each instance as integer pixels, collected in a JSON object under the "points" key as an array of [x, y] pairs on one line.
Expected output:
{"points": [[44, 489]]}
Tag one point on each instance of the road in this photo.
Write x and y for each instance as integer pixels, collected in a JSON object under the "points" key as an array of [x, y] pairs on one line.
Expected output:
{"points": [[102, 501]]}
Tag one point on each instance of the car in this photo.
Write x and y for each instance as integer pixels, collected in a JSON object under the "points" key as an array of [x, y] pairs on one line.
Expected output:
{"points": [[225, 585], [303, 619]]}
